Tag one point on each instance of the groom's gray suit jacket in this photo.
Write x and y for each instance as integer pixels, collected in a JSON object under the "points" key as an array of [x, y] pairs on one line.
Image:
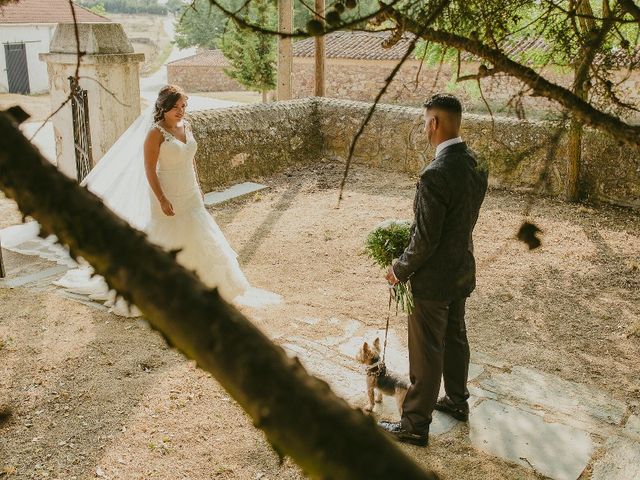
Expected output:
{"points": [[439, 259]]}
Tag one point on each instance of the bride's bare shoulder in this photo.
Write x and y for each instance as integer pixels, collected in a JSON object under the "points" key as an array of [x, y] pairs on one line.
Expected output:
{"points": [[155, 132], [154, 136]]}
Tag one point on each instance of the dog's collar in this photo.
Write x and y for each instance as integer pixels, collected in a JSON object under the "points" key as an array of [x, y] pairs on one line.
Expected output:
{"points": [[376, 369]]}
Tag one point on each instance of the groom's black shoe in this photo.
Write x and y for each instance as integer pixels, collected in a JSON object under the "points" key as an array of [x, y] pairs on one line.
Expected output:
{"points": [[396, 430], [459, 412]]}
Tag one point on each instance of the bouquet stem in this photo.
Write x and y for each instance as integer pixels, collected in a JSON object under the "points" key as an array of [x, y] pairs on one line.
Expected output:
{"points": [[403, 297]]}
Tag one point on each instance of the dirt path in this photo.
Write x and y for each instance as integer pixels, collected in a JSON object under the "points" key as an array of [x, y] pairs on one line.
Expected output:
{"points": [[95, 396]]}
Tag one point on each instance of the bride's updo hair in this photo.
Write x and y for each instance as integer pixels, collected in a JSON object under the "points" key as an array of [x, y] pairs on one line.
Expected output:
{"points": [[167, 99]]}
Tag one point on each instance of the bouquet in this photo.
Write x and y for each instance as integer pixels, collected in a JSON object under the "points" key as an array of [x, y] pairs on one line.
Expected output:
{"points": [[386, 242]]}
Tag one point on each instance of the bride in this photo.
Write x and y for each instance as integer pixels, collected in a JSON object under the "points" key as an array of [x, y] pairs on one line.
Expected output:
{"points": [[161, 196]]}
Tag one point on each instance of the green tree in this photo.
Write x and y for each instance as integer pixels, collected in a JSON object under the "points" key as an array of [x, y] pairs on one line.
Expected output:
{"points": [[199, 25], [252, 55], [99, 9]]}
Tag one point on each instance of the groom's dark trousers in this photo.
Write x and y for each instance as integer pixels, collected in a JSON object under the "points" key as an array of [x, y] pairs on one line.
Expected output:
{"points": [[438, 348], [439, 262]]}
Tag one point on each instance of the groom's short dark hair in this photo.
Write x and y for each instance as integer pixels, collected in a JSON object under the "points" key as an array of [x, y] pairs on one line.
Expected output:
{"points": [[446, 102]]}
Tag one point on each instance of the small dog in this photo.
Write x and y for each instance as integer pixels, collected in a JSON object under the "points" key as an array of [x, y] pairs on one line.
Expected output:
{"points": [[378, 377]]}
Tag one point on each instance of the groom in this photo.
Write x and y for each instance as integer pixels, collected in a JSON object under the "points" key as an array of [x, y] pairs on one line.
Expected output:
{"points": [[439, 261]]}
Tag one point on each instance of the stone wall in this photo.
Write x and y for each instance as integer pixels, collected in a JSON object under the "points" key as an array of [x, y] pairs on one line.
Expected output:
{"points": [[514, 150], [362, 80], [202, 79], [248, 142]]}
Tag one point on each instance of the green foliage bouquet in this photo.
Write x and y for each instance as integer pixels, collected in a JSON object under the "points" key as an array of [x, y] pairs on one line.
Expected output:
{"points": [[386, 242]]}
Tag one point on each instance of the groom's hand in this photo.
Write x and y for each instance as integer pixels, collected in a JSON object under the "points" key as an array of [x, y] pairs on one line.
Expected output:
{"points": [[391, 277]]}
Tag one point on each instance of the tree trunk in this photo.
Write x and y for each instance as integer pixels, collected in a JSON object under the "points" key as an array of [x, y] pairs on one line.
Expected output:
{"points": [[593, 38], [299, 414], [574, 151], [264, 96], [285, 49], [320, 52]]}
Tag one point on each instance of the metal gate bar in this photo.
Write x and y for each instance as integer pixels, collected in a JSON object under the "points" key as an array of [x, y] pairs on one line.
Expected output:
{"points": [[81, 131]]}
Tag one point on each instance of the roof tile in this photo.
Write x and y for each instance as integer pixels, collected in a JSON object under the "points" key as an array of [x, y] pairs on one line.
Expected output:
{"points": [[205, 58], [46, 11], [355, 45]]}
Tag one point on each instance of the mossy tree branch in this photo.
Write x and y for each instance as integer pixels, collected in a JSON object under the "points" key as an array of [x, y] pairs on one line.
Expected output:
{"points": [[299, 414], [581, 109], [631, 8]]}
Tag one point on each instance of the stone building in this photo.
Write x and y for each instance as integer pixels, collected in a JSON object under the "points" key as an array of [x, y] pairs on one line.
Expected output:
{"points": [[26, 29], [202, 72], [357, 64], [110, 79]]}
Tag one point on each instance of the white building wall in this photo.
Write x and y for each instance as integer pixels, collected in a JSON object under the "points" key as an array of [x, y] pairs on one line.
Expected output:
{"points": [[36, 39]]}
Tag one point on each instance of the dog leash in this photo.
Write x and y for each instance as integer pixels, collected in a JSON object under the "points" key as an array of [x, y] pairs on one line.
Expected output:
{"points": [[386, 329]]}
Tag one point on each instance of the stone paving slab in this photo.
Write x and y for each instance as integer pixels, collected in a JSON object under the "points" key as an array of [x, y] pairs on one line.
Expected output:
{"points": [[632, 428], [36, 277], [348, 379], [83, 299], [583, 405], [475, 371], [480, 393], [552, 449], [239, 190], [621, 461], [479, 357]]}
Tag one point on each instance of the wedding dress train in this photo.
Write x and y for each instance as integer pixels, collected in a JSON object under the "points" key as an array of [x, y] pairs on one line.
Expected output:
{"points": [[192, 230]]}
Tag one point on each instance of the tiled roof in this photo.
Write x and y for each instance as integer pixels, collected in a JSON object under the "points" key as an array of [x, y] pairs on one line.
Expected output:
{"points": [[46, 11], [206, 58], [368, 46], [355, 45]]}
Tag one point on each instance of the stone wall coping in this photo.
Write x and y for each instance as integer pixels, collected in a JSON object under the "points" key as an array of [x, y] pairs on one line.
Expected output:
{"points": [[324, 102], [417, 111], [106, 37], [258, 107]]}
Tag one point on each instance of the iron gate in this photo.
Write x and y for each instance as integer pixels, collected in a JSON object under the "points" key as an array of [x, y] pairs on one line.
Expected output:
{"points": [[17, 70], [81, 132]]}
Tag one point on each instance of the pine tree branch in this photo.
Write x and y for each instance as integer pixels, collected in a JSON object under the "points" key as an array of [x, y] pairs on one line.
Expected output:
{"points": [[581, 109], [299, 414], [433, 15], [595, 39], [631, 8], [299, 33]]}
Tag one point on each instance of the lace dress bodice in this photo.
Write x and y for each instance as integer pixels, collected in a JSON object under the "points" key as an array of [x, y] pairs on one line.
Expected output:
{"points": [[176, 172]]}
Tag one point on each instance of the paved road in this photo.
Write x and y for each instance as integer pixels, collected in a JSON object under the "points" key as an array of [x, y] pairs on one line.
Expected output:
{"points": [[150, 86]]}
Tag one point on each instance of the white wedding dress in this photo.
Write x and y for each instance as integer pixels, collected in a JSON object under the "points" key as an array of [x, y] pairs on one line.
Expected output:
{"points": [[203, 247], [192, 230]]}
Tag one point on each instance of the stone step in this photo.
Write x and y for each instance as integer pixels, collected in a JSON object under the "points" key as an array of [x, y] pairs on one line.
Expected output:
{"points": [[572, 403], [555, 450], [236, 191], [35, 278], [621, 460]]}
